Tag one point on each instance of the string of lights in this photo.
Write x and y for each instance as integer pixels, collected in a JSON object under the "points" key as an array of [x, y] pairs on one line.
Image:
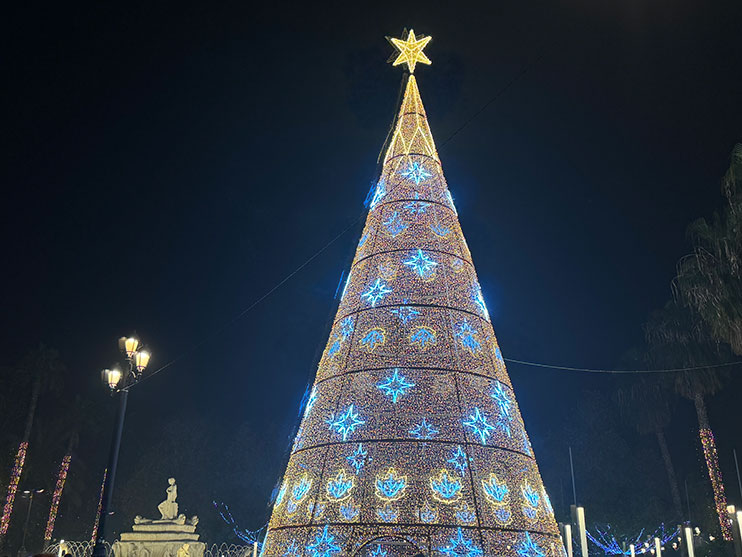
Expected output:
{"points": [[643, 543], [15, 477], [712, 464], [248, 536], [98, 510], [614, 371], [57, 496]]}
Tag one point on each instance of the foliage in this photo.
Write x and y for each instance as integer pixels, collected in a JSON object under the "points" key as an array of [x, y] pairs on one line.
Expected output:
{"points": [[709, 279]]}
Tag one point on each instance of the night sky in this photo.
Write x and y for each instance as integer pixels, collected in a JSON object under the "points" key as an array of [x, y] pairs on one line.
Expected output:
{"points": [[167, 164]]}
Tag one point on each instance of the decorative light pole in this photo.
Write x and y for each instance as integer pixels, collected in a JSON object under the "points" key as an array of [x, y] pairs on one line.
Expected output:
{"points": [[119, 382], [28, 493]]}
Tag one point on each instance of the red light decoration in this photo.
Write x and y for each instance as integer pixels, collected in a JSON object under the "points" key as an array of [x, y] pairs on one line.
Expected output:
{"points": [[712, 463], [15, 477], [100, 506], [57, 496]]}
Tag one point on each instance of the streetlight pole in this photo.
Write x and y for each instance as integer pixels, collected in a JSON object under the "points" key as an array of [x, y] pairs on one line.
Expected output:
{"points": [[119, 383], [30, 492]]}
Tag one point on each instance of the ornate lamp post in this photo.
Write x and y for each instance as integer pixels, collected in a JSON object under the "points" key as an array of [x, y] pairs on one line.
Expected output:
{"points": [[119, 381]]}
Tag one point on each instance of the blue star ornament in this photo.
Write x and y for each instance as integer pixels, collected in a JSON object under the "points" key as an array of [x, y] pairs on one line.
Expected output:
{"points": [[376, 292], [395, 385], [416, 173], [421, 264], [459, 546], [323, 545], [346, 422], [423, 430], [479, 425]]}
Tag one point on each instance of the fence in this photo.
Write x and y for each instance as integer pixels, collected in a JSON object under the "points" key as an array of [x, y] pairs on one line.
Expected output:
{"points": [[85, 549]]}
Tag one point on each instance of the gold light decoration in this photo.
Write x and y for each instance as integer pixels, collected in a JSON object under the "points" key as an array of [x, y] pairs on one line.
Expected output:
{"points": [[141, 359], [411, 429], [129, 345], [411, 51]]}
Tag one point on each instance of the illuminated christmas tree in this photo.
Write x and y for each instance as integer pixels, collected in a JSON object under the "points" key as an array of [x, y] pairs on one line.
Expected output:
{"points": [[411, 440]]}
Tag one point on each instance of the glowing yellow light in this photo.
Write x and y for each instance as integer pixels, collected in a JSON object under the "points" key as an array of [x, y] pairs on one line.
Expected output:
{"points": [[141, 359], [411, 51], [129, 345], [112, 376]]}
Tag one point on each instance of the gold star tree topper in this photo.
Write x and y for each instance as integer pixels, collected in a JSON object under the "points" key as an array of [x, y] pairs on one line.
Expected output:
{"points": [[411, 50]]}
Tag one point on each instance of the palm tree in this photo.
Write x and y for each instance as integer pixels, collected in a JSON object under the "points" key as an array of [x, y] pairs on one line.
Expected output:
{"points": [[646, 404], [710, 278], [679, 338], [44, 366]]}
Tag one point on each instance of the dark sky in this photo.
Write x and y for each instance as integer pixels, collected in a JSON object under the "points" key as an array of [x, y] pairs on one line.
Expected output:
{"points": [[166, 164]]}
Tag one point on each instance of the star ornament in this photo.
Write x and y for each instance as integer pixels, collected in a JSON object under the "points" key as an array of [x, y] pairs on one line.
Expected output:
{"points": [[411, 50]]}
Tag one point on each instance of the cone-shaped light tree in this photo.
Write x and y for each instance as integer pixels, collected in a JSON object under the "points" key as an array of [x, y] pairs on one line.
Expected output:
{"points": [[411, 440]]}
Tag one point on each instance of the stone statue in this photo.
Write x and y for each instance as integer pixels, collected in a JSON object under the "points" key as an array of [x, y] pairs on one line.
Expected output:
{"points": [[169, 508], [172, 535]]}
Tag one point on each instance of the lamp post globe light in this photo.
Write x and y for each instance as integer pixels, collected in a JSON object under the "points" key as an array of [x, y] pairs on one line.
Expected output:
{"points": [[119, 379]]}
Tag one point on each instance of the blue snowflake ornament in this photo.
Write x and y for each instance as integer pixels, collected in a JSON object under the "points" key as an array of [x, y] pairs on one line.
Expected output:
{"points": [[459, 546], [416, 173], [422, 265], [323, 545], [479, 425], [376, 292], [395, 385], [345, 423]]}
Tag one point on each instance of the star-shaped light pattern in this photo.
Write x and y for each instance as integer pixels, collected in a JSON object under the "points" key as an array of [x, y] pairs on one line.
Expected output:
{"points": [[346, 422], [378, 552], [504, 405], [323, 545], [406, 313], [459, 460], [421, 264], [411, 51], [459, 546], [423, 430], [416, 173], [479, 425], [357, 458], [376, 292], [529, 548], [395, 385]]}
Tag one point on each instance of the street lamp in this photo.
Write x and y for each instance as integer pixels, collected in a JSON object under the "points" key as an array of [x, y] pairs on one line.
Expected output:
{"points": [[28, 493], [119, 380]]}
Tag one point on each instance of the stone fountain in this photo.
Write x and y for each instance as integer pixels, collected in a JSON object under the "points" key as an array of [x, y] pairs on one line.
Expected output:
{"points": [[169, 536]]}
